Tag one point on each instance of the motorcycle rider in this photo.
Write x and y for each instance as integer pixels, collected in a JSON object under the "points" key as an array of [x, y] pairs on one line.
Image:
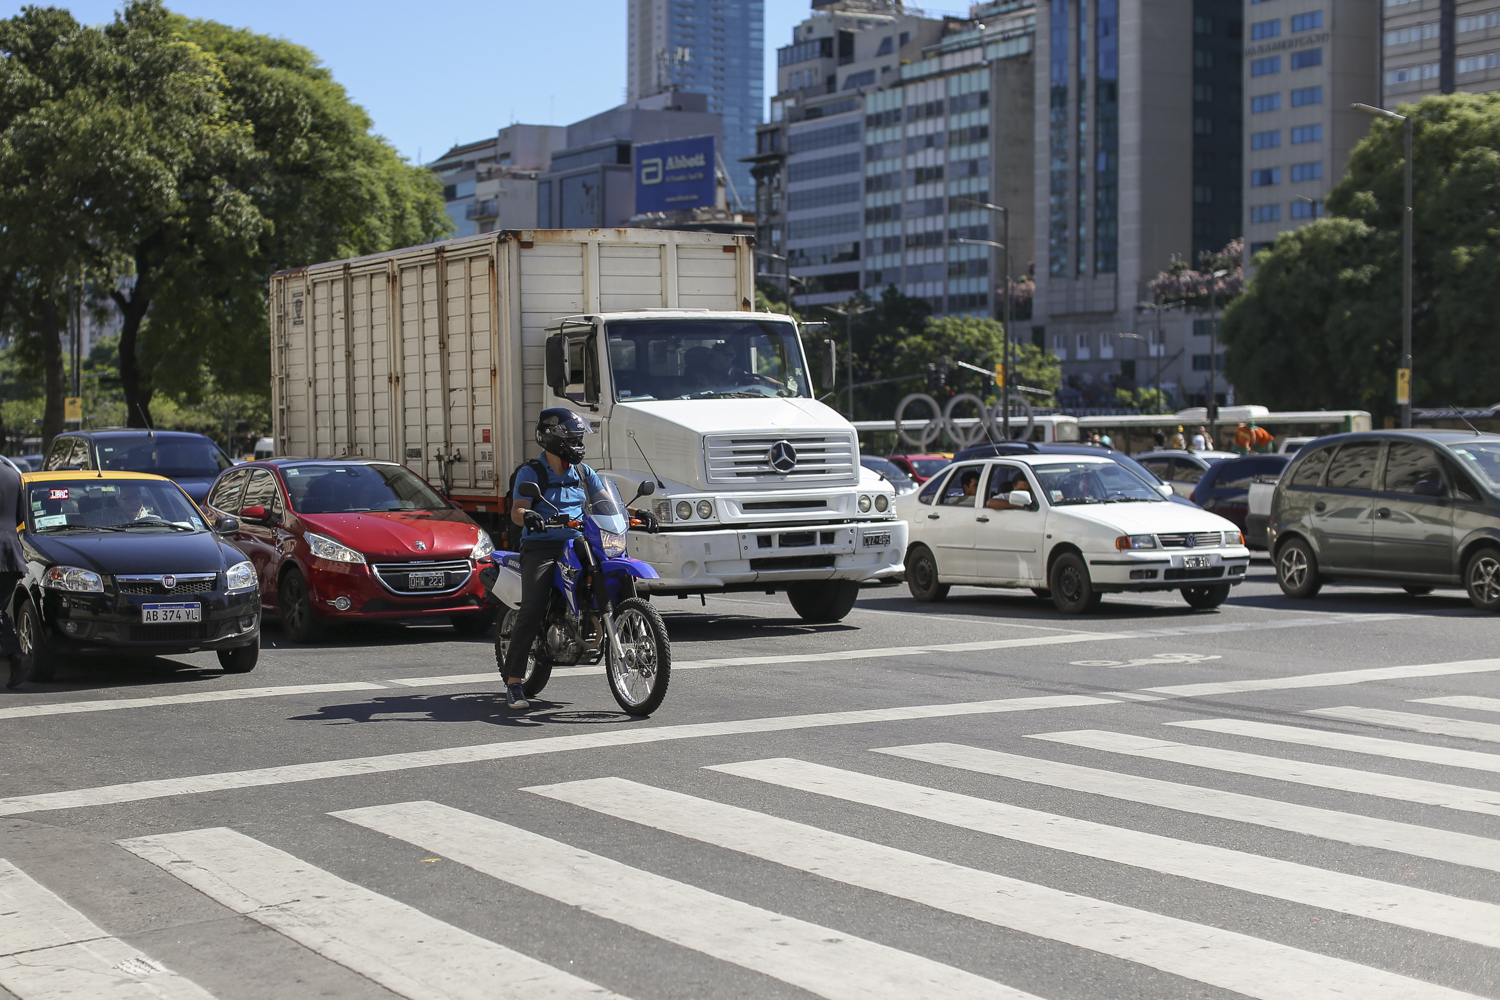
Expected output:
{"points": [[570, 482]]}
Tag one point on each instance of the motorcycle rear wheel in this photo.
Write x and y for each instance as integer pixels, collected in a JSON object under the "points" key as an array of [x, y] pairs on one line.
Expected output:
{"points": [[538, 672], [639, 682]]}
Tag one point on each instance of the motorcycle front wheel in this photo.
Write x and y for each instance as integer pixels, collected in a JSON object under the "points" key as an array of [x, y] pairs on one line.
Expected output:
{"points": [[538, 673], [639, 681]]}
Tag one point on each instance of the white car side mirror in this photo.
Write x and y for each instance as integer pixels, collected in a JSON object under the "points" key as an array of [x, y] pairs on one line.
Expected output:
{"points": [[1164, 490], [1019, 498]]}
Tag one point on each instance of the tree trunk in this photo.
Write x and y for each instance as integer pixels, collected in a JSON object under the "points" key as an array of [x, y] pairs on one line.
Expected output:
{"points": [[138, 391], [49, 330]]}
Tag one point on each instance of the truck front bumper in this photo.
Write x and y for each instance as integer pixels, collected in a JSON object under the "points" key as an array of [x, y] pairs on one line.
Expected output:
{"points": [[772, 557]]}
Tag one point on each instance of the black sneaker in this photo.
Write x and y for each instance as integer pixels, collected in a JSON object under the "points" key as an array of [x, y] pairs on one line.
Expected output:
{"points": [[515, 697]]}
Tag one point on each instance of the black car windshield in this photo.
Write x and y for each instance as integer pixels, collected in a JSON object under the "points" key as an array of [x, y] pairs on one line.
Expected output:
{"points": [[82, 505], [1482, 460], [1091, 482], [175, 458], [707, 359], [344, 489]]}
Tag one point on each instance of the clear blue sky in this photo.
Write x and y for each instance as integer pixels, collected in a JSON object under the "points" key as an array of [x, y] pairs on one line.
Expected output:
{"points": [[430, 75]]}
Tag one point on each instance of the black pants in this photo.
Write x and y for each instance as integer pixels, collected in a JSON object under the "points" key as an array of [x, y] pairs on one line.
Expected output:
{"points": [[537, 564], [8, 643]]}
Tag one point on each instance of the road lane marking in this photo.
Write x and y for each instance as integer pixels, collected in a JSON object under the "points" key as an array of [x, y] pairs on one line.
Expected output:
{"points": [[1340, 827], [403, 949], [1226, 959], [1345, 779], [137, 791], [1403, 906], [234, 694], [1462, 701], [50, 950], [821, 960], [1371, 745], [1435, 725], [1335, 678]]}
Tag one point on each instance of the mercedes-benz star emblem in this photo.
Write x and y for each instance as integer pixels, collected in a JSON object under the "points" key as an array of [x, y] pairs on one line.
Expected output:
{"points": [[783, 457], [168, 582]]}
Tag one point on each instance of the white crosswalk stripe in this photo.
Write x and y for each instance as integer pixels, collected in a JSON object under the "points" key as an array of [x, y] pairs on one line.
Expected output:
{"points": [[1229, 960], [1474, 702], [403, 949], [1435, 725], [1365, 831], [1370, 745], [1404, 906], [48, 950], [818, 959], [1432, 793]]}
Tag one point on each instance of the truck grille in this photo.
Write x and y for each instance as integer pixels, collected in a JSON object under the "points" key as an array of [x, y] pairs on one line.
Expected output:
{"points": [[397, 576], [734, 458], [1192, 540]]}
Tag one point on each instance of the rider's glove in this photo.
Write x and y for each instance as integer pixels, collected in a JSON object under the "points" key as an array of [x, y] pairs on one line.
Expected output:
{"points": [[533, 520], [649, 524]]}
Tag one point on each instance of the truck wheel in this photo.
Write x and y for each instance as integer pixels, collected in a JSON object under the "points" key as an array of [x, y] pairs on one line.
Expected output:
{"points": [[1297, 570], [1206, 598], [823, 601], [1073, 591], [922, 575], [1481, 577], [295, 604], [33, 640]]}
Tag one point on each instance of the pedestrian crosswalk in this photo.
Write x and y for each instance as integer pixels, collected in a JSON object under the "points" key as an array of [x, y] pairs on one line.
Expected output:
{"points": [[763, 911]]}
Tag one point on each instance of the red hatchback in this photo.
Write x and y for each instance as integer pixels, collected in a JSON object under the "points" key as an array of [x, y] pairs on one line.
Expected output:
{"points": [[341, 540], [920, 467]]}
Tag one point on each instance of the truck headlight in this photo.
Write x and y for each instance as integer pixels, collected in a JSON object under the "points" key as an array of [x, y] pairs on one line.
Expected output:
{"points": [[612, 542], [240, 576], [864, 504], [705, 509], [324, 547], [882, 502], [1135, 542], [684, 510], [79, 581], [483, 546]]}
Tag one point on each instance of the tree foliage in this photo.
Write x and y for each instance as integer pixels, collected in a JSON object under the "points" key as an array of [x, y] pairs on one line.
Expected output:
{"points": [[1321, 323]]}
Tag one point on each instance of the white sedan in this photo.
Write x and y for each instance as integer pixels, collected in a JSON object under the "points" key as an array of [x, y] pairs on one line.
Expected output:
{"points": [[1072, 527]]}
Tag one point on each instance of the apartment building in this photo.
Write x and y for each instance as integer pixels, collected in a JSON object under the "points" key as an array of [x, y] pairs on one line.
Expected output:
{"points": [[1438, 47], [491, 184], [1306, 62]]}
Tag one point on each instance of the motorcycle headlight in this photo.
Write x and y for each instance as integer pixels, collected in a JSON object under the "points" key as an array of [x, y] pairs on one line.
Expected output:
{"points": [[483, 547], [613, 543], [324, 547], [79, 581], [240, 576], [1135, 542]]}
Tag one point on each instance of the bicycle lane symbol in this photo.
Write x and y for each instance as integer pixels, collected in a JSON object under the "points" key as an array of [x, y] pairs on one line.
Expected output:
{"points": [[1160, 659]]}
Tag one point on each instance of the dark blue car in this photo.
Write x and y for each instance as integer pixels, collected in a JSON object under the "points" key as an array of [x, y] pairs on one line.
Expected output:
{"points": [[192, 461], [1225, 488]]}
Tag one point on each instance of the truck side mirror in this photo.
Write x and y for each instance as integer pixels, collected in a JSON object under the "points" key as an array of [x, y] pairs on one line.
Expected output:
{"points": [[557, 364], [830, 363], [529, 490]]}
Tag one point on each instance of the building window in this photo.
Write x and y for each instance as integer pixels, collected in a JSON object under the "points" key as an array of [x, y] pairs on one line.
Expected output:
{"points": [[1265, 67], [1201, 363], [1266, 177], [1203, 126], [1479, 23], [1265, 213], [1412, 73], [1420, 33], [1307, 95], [1474, 64], [1203, 59], [1256, 248], [1203, 92], [1307, 210], [1307, 171], [1307, 133], [1307, 22], [1266, 140], [1203, 194], [1203, 25], [1265, 29], [1267, 102], [1203, 327], [1306, 58]]}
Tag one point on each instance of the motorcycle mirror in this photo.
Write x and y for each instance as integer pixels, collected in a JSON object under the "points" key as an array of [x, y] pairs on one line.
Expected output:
{"points": [[529, 490], [645, 489]]}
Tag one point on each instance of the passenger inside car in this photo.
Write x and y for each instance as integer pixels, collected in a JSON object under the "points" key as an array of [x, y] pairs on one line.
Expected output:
{"points": [[962, 489], [1003, 482]]}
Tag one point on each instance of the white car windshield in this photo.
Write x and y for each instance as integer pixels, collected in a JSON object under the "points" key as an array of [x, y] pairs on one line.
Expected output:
{"points": [[1092, 482], [707, 359]]}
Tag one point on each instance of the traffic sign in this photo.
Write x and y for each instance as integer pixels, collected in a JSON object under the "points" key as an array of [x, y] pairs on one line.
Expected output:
{"points": [[73, 408], [1403, 386]]}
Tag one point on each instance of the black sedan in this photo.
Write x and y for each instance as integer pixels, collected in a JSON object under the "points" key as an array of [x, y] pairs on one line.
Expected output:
{"points": [[124, 563]]}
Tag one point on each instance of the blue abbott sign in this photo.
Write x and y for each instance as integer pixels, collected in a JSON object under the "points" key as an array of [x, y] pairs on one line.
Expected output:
{"points": [[676, 175]]}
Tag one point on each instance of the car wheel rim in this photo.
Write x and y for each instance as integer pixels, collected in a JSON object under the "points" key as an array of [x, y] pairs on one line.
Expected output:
{"points": [[1072, 585], [634, 674], [925, 573], [1293, 568], [25, 636], [294, 610], [1483, 582]]}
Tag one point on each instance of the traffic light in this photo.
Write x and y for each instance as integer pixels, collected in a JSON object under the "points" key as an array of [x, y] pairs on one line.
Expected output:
{"points": [[934, 380]]}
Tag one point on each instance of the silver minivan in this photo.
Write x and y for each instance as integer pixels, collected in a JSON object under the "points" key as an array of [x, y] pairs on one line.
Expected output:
{"points": [[1420, 509]]}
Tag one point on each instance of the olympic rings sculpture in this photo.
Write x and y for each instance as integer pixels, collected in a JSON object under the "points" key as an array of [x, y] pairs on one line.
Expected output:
{"points": [[986, 428]]}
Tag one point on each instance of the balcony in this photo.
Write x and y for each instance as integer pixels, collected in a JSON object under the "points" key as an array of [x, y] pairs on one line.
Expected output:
{"points": [[488, 209]]}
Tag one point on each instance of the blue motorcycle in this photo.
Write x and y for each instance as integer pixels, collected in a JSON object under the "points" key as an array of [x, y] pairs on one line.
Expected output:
{"points": [[594, 613]]}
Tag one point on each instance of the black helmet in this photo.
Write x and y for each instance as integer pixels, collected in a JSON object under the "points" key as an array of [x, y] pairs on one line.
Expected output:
{"points": [[560, 431]]}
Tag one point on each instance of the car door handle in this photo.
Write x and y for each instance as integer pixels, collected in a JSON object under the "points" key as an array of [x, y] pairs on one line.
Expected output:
{"points": [[1382, 512], [1320, 506], [982, 520], [933, 517]]}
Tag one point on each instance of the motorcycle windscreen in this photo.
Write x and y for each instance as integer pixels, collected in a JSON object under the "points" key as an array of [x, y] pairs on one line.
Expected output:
{"points": [[606, 509]]}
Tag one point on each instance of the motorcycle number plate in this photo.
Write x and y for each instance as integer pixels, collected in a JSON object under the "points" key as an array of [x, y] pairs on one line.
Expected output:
{"points": [[1195, 562], [163, 614], [426, 581], [877, 539]]}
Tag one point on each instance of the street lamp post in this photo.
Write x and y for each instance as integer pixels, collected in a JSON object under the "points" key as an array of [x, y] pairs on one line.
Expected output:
{"points": [[1004, 245], [1212, 409], [1160, 348], [849, 310], [1406, 264]]}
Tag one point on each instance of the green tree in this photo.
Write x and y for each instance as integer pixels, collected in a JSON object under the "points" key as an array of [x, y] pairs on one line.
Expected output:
{"points": [[1321, 323]]}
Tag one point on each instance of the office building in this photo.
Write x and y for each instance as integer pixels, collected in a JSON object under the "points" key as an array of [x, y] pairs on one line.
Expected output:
{"points": [[709, 47], [1138, 124], [1438, 47], [491, 184], [1305, 64]]}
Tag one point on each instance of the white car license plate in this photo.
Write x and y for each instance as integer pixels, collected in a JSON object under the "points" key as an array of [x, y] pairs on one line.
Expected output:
{"points": [[162, 614], [426, 581], [1196, 562], [877, 539]]}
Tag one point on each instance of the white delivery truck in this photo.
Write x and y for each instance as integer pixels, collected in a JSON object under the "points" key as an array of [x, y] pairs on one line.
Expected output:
{"points": [[442, 356]]}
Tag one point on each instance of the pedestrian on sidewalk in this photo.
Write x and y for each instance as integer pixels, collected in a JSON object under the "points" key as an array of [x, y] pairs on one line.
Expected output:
{"points": [[12, 569]]}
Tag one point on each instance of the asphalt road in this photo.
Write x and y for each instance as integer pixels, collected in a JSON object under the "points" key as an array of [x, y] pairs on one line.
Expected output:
{"points": [[980, 798]]}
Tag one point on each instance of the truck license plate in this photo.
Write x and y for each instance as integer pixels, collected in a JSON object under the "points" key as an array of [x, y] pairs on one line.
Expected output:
{"points": [[426, 581], [1196, 562], [877, 539], [162, 614]]}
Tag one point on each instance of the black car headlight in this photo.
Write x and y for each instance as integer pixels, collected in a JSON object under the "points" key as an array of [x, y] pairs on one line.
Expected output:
{"points": [[71, 578]]}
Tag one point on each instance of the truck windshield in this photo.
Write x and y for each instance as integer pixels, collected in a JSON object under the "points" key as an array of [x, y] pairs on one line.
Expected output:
{"points": [[705, 359]]}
